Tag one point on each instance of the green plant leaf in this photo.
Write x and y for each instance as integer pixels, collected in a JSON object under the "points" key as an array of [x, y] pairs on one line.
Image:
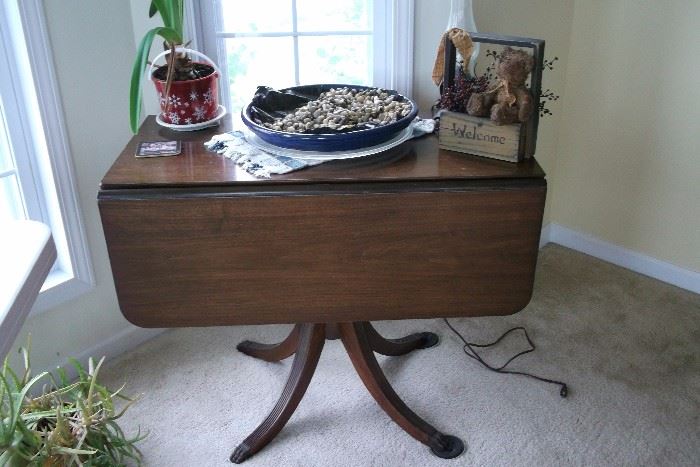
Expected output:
{"points": [[23, 393], [25, 358], [93, 381], [54, 429], [180, 17], [136, 91], [62, 376], [82, 375], [6, 413], [64, 450], [152, 10], [164, 7], [6, 370], [171, 11]]}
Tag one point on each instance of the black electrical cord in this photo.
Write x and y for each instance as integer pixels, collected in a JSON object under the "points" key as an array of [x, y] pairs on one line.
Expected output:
{"points": [[471, 353]]}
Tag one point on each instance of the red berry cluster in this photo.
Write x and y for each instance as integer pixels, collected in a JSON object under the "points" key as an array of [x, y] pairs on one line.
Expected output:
{"points": [[455, 97]]}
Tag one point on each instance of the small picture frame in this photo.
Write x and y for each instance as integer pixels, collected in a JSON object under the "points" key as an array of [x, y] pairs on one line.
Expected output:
{"points": [[158, 148]]}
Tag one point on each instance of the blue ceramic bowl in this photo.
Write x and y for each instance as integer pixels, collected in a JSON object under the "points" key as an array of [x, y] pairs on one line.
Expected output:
{"points": [[330, 142]]}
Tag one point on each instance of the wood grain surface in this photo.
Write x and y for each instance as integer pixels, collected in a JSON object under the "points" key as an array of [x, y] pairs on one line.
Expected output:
{"points": [[190, 260], [480, 136], [419, 160]]}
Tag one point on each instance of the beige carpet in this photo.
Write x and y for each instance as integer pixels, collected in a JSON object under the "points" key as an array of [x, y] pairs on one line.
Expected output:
{"points": [[627, 345]]}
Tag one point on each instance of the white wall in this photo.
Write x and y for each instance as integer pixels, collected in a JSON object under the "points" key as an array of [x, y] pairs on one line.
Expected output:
{"points": [[93, 49]]}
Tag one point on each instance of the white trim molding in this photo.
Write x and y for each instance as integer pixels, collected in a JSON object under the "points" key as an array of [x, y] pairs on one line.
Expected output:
{"points": [[72, 274], [393, 63], [620, 256], [118, 344], [121, 342], [402, 47], [545, 235]]}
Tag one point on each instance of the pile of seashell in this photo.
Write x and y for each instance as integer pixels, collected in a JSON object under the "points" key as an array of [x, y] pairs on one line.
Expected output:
{"points": [[344, 108]]}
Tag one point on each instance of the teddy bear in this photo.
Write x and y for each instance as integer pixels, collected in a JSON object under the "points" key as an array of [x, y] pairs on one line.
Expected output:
{"points": [[510, 101]]}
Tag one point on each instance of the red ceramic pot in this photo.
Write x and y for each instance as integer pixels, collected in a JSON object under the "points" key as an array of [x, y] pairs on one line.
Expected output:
{"points": [[189, 102], [192, 101]]}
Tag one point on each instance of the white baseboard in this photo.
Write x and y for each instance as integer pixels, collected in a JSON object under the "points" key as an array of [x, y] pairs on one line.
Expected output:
{"points": [[620, 256], [119, 343], [545, 235]]}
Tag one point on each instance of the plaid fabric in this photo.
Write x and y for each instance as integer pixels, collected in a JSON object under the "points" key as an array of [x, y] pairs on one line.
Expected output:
{"points": [[259, 163]]}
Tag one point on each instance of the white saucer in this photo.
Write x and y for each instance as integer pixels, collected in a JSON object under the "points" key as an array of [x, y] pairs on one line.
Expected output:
{"points": [[220, 112], [399, 138]]}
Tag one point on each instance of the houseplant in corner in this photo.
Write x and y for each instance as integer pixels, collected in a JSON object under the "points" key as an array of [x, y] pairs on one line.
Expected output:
{"points": [[67, 424], [187, 90]]}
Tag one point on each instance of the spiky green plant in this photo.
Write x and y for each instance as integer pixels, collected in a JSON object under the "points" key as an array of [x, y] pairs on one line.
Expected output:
{"points": [[172, 13], [69, 424]]}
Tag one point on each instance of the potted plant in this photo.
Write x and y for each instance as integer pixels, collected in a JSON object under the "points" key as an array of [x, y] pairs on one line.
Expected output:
{"points": [[67, 424], [188, 90]]}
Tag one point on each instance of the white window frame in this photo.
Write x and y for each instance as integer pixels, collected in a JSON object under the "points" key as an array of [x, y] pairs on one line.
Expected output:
{"points": [[393, 59], [40, 147]]}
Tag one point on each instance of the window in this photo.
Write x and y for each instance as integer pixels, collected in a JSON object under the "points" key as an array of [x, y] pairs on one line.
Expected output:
{"points": [[36, 177], [12, 205], [282, 43]]}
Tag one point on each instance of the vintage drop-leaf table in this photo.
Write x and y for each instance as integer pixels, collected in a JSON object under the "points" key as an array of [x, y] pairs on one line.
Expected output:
{"points": [[416, 232]]}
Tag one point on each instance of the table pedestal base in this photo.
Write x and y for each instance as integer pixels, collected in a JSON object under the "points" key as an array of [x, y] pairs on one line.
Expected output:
{"points": [[361, 340]]}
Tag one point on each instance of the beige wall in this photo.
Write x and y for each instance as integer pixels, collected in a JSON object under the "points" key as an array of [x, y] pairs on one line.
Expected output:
{"points": [[544, 19], [93, 49], [628, 162]]}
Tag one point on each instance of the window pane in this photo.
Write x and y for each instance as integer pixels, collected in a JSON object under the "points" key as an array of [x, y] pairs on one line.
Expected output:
{"points": [[335, 59], [336, 15], [257, 16], [5, 158], [5, 154], [258, 61], [11, 207]]}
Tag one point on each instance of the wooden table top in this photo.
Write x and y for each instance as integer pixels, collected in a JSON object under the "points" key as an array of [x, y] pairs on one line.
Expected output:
{"points": [[416, 160]]}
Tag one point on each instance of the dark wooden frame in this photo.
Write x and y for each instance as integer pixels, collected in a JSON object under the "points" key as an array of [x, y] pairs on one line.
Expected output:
{"points": [[361, 341], [537, 46]]}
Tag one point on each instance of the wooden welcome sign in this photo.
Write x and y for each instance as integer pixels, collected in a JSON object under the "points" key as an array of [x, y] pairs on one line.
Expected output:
{"points": [[480, 136]]}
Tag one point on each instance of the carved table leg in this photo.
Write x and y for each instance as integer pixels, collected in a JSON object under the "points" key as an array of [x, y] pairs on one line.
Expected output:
{"points": [[357, 342], [272, 352], [311, 340], [401, 346]]}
